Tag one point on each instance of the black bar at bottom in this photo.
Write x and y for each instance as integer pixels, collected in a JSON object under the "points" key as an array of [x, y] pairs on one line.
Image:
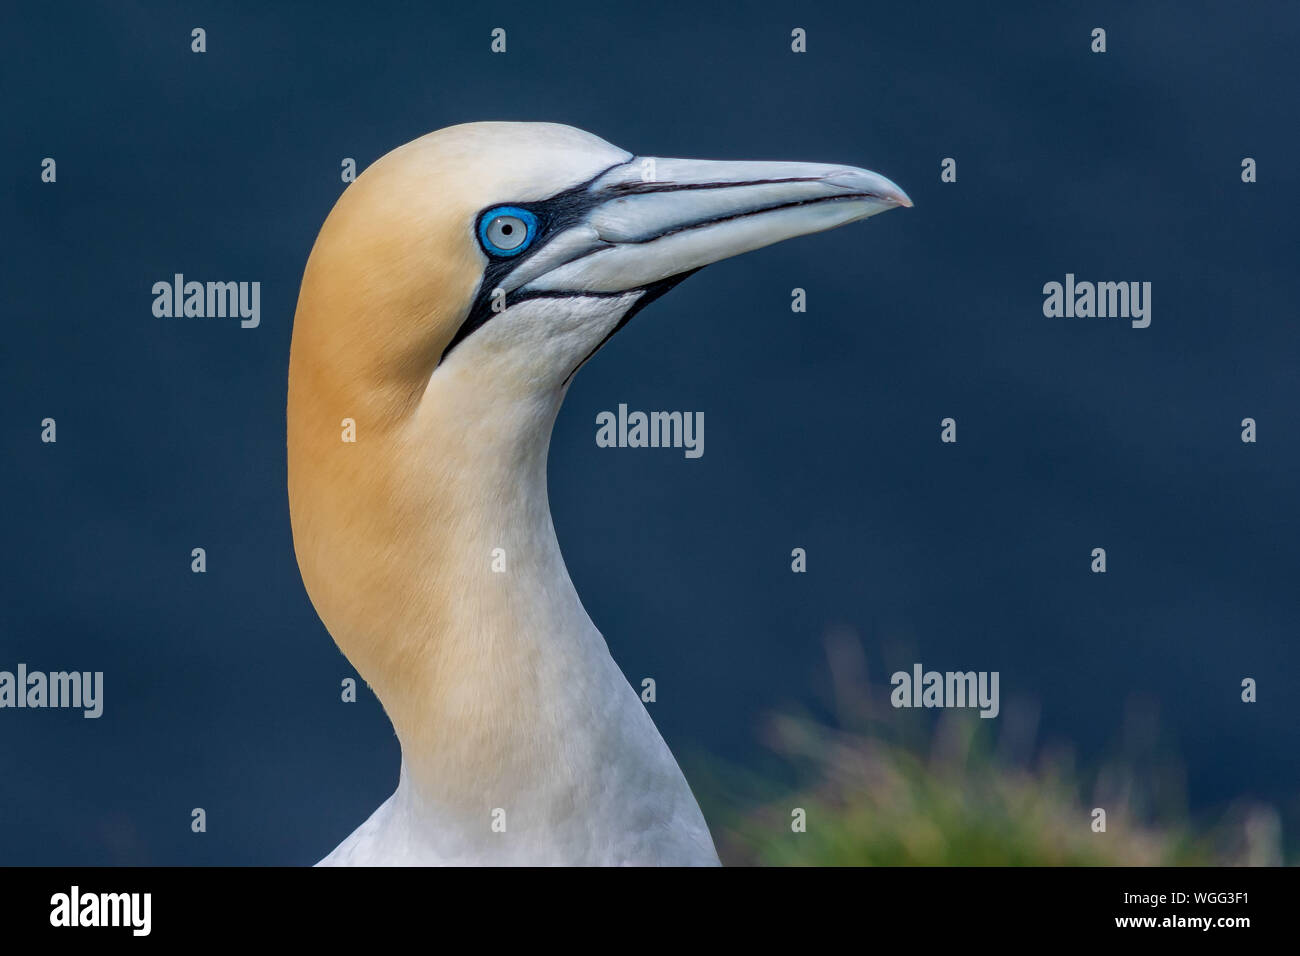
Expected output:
{"points": [[923, 904]]}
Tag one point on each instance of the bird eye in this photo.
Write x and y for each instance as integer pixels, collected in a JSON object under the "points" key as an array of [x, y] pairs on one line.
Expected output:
{"points": [[507, 230]]}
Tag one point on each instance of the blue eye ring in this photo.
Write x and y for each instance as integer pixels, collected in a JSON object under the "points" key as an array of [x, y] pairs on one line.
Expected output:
{"points": [[489, 228]]}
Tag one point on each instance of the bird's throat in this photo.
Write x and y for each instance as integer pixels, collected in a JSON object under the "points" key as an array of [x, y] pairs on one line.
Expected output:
{"points": [[432, 559]]}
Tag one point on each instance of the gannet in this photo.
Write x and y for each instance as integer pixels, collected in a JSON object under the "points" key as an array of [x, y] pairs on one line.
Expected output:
{"points": [[452, 293]]}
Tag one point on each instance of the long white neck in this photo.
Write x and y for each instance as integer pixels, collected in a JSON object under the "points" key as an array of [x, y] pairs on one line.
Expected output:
{"points": [[521, 739]]}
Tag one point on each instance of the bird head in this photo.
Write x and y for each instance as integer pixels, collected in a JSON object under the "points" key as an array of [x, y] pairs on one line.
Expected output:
{"points": [[509, 253]]}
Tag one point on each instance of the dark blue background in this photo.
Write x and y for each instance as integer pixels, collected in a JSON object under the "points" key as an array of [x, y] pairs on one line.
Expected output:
{"points": [[822, 430]]}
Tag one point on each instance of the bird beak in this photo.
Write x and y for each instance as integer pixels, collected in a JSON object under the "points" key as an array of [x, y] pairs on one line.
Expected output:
{"points": [[653, 219]]}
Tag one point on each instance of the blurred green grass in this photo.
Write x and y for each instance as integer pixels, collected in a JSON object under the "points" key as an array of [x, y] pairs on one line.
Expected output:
{"points": [[889, 787]]}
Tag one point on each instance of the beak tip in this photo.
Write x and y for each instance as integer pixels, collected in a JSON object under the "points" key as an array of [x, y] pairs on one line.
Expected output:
{"points": [[876, 186], [896, 195]]}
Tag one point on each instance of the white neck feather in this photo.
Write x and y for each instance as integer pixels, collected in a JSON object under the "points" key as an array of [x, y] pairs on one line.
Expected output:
{"points": [[522, 741]]}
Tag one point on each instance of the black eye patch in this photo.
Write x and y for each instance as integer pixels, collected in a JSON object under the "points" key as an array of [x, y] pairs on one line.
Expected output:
{"points": [[554, 215]]}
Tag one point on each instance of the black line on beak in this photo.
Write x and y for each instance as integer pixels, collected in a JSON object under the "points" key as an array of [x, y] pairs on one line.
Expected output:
{"points": [[635, 188]]}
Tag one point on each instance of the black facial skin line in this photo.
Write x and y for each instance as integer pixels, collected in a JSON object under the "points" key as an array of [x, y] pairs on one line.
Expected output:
{"points": [[651, 292], [570, 207], [554, 215]]}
